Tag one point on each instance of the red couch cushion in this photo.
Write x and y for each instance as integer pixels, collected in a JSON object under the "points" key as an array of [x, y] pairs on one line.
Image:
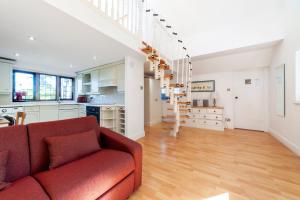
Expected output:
{"points": [[64, 149], [25, 188], [89, 177], [121, 191], [3, 163], [37, 132], [15, 141]]}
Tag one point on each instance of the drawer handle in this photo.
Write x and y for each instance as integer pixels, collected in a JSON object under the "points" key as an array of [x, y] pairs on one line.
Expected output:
{"points": [[204, 122], [217, 123], [214, 111]]}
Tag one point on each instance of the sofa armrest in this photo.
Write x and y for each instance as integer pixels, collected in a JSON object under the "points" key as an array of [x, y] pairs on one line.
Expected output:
{"points": [[112, 140]]}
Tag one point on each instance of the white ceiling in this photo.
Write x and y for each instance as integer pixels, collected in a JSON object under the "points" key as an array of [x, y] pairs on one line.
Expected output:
{"points": [[209, 26], [61, 40]]}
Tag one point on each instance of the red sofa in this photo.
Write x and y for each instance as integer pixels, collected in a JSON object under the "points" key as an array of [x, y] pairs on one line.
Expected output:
{"points": [[114, 172]]}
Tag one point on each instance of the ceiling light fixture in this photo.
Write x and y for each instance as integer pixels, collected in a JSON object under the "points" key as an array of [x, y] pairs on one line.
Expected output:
{"points": [[71, 66], [31, 38], [95, 57], [17, 54]]}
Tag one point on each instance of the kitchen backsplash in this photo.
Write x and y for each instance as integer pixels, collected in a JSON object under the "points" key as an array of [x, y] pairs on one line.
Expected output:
{"points": [[108, 95]]}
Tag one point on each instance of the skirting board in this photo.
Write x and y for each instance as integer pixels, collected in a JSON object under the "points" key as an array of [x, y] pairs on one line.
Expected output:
{"points": [[139, 136], [293, 147]]}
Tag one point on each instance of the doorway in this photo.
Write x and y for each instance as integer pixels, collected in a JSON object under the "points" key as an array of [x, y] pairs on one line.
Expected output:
{"points": [[250, 99], [153, 103]]}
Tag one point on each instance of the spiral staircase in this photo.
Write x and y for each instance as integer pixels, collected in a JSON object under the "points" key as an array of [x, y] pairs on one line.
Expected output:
{"points": [[177, 92]]}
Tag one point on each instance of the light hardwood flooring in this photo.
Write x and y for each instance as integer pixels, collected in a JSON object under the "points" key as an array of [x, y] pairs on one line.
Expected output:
{"points": [[201, 164]]}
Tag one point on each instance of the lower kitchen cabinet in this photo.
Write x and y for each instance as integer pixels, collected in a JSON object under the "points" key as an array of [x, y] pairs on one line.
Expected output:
{"points": [[82, 111], [68, 114], [32, 114], [48, 113]]}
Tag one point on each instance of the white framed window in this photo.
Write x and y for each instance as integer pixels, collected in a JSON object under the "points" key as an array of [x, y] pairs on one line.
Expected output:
{"points": [[298, 76]]}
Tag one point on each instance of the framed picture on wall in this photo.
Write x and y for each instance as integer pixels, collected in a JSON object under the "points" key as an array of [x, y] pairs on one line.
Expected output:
{"points": [[203, 86]]}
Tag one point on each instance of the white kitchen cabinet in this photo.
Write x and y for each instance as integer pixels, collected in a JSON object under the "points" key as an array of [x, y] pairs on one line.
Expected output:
{"points": [[6, 80], [121, 77], [48, 113], [79, 84], [108, 76], [95, 82], [82, 111], [32, 114], [68, 114]]}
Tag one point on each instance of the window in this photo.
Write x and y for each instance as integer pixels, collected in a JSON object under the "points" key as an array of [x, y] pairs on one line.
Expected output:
{"points": [[298, 76], [47, 87], [23, 89], [31, 86], [66, 88]]}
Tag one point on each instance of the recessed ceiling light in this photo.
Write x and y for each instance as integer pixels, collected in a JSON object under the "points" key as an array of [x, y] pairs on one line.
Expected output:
{"points": [[17, 54], [95, 57], [31, 38], [71, 66]]}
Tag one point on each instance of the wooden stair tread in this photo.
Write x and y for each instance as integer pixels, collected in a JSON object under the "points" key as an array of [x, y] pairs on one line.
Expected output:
{"points": [[180, 95], [181, 109], [170, 76], [152, 58], [181, 122], [164, 66], [176, 85], [174, 116]]}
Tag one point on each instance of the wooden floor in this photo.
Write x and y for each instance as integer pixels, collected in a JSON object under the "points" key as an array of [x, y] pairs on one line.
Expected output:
{"points": [[202, 164]]}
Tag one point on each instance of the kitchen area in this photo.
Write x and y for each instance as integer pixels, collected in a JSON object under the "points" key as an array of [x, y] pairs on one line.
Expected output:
{"points": [[106, 92]]}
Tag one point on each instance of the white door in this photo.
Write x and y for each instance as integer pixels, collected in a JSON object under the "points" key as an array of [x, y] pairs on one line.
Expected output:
{"points": [[250, 99]]}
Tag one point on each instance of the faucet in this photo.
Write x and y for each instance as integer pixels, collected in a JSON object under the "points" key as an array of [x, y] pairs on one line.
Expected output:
{"points": [[58, 100]]}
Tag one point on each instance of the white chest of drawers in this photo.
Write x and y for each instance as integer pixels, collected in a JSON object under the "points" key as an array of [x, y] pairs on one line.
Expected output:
{"points": [[206, 118]]}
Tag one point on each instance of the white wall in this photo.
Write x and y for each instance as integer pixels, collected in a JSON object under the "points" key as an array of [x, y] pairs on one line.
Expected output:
{"points": [[287, 129], [224, 81], [208, 26], [134, 96], [254, 58], [225, 88], [222, 68]]}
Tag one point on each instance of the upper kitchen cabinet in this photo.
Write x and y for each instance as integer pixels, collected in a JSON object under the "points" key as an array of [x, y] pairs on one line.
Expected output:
{"points": [[6, 80], [121, 78], [86, 83], [95, 82], [79, 84], [108, 76]]}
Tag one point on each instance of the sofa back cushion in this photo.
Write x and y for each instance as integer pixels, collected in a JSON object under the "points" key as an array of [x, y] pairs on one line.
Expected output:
{"points": [[39, 131], [14, 140], [64, 149], [3, 163]]}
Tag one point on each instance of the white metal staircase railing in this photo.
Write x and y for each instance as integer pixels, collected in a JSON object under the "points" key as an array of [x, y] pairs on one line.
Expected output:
{"points": [[164, 51], [127, 13]]}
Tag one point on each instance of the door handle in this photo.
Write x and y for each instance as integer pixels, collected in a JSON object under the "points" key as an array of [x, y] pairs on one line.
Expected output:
{"points": [[236, 97]]}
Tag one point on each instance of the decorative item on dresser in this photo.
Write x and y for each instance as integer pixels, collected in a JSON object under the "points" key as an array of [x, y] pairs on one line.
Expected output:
{"points": [[207, 118], [214, 97]]}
